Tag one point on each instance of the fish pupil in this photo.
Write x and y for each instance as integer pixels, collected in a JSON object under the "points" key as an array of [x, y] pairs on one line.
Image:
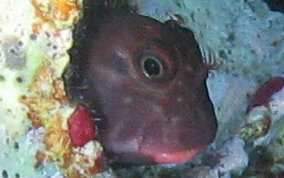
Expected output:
{"points": [[152, 67]]}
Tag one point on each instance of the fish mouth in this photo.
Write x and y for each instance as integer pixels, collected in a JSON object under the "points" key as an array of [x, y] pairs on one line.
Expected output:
{"points": [[161, 143], [145, 154], [150, 157], [171, 157], [175, 143], [159, 134]]}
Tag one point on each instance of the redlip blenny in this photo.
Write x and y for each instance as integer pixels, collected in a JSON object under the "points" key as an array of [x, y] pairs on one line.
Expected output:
{"points": [[145, 80]]}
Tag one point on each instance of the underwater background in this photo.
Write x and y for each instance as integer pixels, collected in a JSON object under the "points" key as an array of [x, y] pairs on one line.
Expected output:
{"points": [[244, 37]]}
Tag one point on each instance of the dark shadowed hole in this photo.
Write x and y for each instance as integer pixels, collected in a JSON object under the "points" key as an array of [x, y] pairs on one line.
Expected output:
{"points": [[2, 78], [16, 145], [33, 37], [19, 79], [4, 174]]}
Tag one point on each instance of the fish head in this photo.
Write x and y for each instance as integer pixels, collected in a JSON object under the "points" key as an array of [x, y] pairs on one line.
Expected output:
{"points": [[146, 80]]}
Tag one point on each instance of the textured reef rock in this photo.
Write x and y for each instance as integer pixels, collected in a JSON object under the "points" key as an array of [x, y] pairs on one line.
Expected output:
{"points": [[34, 139], [245, 37]]}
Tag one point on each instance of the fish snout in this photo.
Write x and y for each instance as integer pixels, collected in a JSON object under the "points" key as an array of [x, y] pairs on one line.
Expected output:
{"points": [[163, 136], [177, 139]]}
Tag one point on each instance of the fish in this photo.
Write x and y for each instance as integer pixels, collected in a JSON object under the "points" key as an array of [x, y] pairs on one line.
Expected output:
{"points": [[145, 83]]}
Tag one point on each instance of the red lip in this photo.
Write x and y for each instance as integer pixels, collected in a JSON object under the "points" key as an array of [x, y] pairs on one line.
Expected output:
{"points": [[173, 157]]}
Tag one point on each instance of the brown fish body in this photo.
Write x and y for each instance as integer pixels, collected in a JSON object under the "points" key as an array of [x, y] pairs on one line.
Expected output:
{"points": [[146, 80]]}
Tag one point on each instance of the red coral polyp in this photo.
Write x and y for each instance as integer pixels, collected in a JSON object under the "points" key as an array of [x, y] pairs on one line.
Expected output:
{"points": [[264, 93], [81, 127]]}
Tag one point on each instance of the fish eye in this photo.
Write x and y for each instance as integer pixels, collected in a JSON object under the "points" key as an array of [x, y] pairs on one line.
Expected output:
{"points": [[152, 67]]}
